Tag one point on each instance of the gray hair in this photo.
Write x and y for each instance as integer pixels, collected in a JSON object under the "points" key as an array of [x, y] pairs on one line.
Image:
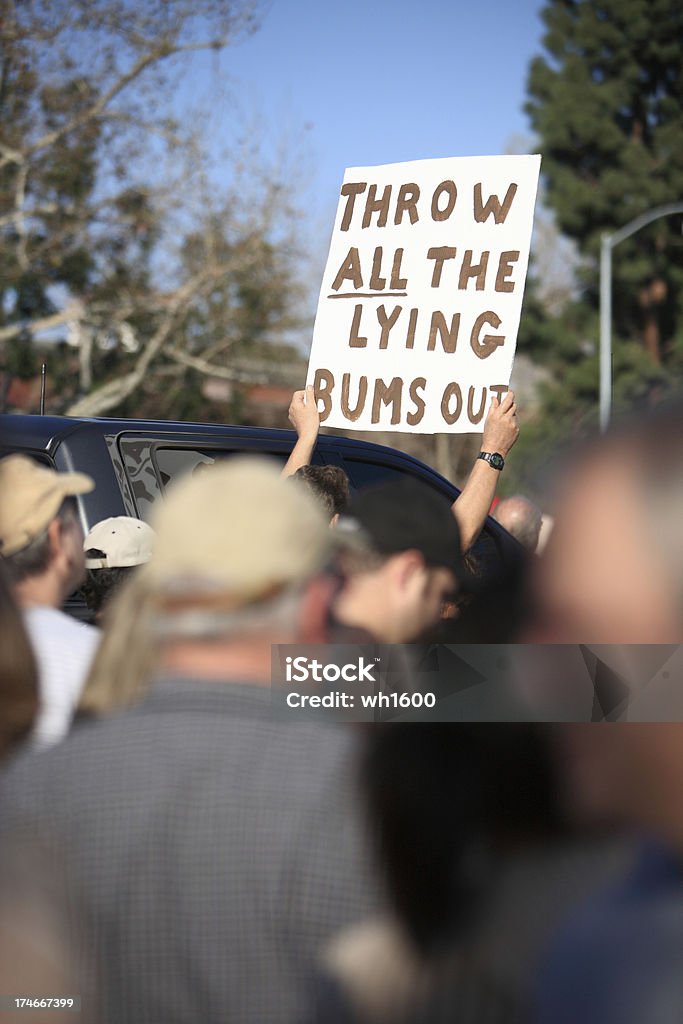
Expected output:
{"points": [[276, 615], [34, 558]]}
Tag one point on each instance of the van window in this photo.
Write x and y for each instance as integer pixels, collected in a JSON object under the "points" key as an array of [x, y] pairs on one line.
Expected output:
{"points": [[151, 466], [364, 474], [175, 462]]}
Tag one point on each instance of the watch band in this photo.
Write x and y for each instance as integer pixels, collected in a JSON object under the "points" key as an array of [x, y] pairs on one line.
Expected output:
{"points": [[494, 459]]}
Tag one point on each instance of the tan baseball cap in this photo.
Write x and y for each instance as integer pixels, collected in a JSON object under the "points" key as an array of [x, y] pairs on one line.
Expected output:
{"points": [[30, 497], [122, 542], [235, 534]]}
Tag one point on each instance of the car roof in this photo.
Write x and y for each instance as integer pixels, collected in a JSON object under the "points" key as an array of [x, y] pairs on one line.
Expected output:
{"points": [[47, 433]]}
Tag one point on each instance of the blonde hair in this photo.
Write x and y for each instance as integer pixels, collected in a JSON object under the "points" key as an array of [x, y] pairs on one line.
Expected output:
{"points": [[128, 656]]}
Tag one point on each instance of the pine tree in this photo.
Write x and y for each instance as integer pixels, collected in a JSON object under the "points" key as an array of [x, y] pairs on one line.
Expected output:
{"points": [[606, 102]]}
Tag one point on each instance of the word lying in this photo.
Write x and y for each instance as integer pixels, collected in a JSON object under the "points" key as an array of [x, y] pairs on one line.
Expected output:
{"points": [[439, 330]]}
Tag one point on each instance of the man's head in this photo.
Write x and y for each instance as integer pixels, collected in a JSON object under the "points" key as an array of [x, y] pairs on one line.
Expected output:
{"points": [[613, 568], [521, 518], [613, 574], [41, 539], [411, 563], [329, 485], [238, 554], [113, 548]]}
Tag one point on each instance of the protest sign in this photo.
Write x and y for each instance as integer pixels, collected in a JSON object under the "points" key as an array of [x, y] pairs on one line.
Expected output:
{"points": [[420, 302]]}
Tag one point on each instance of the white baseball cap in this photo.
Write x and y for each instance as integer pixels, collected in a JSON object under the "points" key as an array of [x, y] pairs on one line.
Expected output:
{"points": [[123, 542]]}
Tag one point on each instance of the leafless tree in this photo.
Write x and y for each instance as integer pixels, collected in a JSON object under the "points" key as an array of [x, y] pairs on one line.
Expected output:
{"points": [[114, 233]]}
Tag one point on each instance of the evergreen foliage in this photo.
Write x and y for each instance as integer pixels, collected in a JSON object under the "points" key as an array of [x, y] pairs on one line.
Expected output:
{"points": [[606, 102]]}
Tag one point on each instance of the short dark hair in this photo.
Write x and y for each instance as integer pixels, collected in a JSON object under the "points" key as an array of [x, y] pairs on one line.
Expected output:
{"points": [[34, 558], [100, 584], [329, 484]]}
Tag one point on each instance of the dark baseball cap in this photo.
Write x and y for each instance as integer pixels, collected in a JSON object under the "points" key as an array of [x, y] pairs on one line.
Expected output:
{"points": [[404, 515]]}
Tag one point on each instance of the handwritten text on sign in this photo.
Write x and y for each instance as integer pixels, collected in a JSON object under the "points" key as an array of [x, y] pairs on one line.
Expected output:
{"points": [[421, 298]]}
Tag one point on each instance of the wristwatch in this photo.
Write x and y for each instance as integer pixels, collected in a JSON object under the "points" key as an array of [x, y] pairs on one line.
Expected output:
{"points": [[494, 459]]}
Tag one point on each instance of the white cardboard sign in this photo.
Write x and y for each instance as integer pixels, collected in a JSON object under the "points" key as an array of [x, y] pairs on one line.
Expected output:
{"points": [[420, 301]]}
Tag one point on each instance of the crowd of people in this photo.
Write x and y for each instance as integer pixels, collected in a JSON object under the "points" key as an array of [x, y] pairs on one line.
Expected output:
{"points": [[173, 849]]}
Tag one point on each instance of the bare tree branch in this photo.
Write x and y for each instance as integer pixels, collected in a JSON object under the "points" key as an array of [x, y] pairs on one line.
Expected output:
{"points": [[10, 156], [104, 398], [38, 211], [70, 312], [207, 368], [160, 52], [149, 127], [19, 223]]}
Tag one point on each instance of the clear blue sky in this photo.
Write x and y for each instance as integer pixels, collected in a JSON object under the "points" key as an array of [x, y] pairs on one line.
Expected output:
{"points": [[376, 81]]}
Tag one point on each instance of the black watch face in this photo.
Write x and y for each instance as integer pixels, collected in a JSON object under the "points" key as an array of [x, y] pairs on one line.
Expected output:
{"points": [[497, 461]]}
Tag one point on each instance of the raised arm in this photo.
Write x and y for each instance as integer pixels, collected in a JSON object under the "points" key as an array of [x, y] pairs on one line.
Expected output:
{"points": [[472, 506], [305, 418]]}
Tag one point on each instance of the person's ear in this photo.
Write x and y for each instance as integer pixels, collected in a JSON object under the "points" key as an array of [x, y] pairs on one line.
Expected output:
{"points": [[314, 610], [334, 520], [407, 566], [55, 539]]}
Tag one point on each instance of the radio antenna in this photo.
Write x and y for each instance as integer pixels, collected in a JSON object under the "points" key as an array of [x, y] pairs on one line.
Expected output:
{"points": [[42, 389]]}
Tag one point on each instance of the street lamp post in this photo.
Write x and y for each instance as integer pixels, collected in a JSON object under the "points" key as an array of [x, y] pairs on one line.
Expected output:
{"points": [[607, 243]]}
